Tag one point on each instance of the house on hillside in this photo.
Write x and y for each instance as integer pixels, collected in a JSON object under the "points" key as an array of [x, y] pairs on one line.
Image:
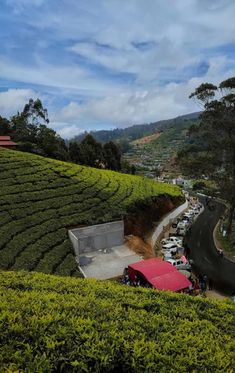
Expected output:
{"points": [[5, 142]]}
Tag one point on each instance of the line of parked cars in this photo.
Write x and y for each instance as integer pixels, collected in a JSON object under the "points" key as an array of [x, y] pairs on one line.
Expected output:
{"points": [[186, 220], [172, 247]]}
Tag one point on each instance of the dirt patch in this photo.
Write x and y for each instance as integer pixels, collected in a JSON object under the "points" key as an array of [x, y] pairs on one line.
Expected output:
{"points": [[142, 221], [145, 215], [140, 247], [212, 294], [146, 139]]}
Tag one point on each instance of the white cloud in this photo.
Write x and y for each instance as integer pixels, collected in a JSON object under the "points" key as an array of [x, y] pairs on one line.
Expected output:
{"points": [[65, 130], [13, 100], [143, 106], [69, 77], [146, 65], [155, 42], [181, 30], [126, 109], [20, 5]]}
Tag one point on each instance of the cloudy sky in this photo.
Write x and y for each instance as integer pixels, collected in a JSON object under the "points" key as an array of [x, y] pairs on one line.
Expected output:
{"points": [[112, 63]]}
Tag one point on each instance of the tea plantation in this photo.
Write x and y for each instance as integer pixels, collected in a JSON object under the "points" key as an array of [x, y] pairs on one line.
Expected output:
{"points": [[60, 324], [41, 197]]}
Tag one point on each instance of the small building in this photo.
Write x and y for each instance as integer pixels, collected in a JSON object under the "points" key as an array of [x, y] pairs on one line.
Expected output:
{"points": [[6, 142], [97, 237], [100, 250], [158, 274]]}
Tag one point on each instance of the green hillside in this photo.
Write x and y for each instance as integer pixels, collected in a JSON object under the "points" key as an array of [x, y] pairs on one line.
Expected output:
{"points": [[50, 323], [136, 131], [159, 152], [42, 197]]}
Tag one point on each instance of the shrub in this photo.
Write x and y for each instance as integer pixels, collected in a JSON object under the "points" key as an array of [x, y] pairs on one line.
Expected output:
{"points": [[55, 324]]}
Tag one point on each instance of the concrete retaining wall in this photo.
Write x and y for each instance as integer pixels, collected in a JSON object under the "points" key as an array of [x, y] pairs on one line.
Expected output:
{"points": [[166, 220], [96, 237]]}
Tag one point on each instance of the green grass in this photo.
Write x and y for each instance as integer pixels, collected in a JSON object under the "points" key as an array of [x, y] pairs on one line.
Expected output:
{"points": [[40, 198], [58, 324]]}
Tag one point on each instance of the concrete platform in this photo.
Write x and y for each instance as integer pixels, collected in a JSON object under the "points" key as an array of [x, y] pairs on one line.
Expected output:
{"points": [[107, 263]]}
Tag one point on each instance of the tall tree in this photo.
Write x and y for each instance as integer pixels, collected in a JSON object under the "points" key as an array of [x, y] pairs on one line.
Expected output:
{"points": [[29, 129], [74, 152], [91, 152], [5, 128], [112, 154], [212, 148]]}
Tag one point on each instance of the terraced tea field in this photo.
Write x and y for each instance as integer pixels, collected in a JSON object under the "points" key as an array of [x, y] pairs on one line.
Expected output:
{"points": [[40, 198], [57, 324]]}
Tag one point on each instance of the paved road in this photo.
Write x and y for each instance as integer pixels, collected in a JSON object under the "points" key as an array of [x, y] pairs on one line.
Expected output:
{"points": [[204, 253]]}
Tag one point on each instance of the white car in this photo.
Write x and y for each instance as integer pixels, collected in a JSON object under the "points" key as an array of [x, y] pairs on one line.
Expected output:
{"points": [[180, 264], [191, 212], [173, 239], [182, 228], [169, 246], [168, 253], [183, 224]]}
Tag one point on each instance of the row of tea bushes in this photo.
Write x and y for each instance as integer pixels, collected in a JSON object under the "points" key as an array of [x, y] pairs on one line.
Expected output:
{"points": [[58, 324], [40, 198]]}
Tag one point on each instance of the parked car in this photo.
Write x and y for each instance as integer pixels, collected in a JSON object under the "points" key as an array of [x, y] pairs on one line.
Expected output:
{"points": [[191, 212], [179, 264], [173, 239], [187, 218], [183, 224], [182, 228], [174, 223], [184, 217], [181, 250], [169, 246], [167, 254]]}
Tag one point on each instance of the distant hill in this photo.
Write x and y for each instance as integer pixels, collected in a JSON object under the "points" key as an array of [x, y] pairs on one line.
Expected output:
{"points": [[136, 131], [159, 150], [40, 198]]}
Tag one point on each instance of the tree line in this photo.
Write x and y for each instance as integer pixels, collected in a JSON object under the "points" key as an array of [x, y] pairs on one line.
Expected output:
{"points": [[29, 129], [211, 144]]}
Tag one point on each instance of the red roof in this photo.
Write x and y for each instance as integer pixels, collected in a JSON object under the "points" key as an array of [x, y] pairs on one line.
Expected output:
{"points": [[5, 143], [160, 274], [5, 138]]}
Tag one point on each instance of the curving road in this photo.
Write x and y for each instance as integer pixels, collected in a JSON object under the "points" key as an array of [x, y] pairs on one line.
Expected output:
{"points": [[203, 251]]}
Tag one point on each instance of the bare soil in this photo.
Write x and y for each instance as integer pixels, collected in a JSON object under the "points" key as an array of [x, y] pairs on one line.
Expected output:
{"points": [[146, 139], [140, 247]]}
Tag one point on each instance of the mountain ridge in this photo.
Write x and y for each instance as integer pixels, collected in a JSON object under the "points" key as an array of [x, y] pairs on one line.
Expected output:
{"points": [[135, 131]]}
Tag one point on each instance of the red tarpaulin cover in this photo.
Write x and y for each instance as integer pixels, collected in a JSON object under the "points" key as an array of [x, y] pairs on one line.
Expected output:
{"points": [[160, 274]]}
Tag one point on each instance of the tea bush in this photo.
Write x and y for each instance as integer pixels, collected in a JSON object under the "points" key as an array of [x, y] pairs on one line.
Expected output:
{"points": [[40, 198], [58, 324]]}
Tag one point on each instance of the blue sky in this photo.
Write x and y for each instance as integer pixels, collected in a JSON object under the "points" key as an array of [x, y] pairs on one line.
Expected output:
{"points": [[112, 63]]}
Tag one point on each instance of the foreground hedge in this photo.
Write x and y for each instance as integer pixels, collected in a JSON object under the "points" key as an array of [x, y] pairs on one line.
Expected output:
{"points": [[55, 324], [41, 197]]}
